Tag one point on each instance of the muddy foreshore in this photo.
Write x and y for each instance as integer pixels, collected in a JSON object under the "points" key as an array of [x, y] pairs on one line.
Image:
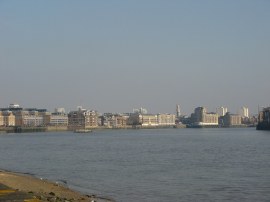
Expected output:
{"points": [[44, 190]]}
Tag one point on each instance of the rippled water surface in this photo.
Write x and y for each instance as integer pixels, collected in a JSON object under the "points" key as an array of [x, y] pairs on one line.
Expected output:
{"points": [[148, 165]]}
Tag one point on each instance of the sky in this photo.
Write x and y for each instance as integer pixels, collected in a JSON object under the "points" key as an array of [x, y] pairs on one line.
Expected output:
{"points": [[113, 56]]}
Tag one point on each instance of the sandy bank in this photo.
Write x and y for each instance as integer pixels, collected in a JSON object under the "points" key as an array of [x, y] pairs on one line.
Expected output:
{"points": [[43, 189]]}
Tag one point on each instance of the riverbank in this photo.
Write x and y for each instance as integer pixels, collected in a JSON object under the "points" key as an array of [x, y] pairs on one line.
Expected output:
{"points": [[43, 190]]}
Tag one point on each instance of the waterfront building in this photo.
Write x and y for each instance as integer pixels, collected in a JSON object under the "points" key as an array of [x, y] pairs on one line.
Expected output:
{"points": [[114, 120], [1, 119], [121, 121], [143, 120], [148, 120], [15, 115], [105, 120], [201, 118], [140, 117], [152, 120], [231, 120], [166, 119], [82, 119], [264, 119], [221, 111], [58, 119], [30, 118], [7, 118]]}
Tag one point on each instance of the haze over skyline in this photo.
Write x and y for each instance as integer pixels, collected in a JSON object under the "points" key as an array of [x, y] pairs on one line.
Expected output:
{"points": [[115, 56]]}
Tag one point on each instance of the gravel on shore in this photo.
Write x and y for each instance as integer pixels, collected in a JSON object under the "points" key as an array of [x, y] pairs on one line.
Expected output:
{"points": [[44, 190]]}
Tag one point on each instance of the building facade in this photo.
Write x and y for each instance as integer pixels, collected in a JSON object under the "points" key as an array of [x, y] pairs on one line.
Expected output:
{"points": [[31, 118], [221, 111], [7, 119], [200, 117], [114, 120], [143, 120], [1, 119], [231, 120], [58, 119], [166, 119], [82, 119], [152, 120], [148, 120]]}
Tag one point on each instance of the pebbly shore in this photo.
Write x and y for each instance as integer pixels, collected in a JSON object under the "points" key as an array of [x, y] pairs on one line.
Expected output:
{"points": [[35, 189]]}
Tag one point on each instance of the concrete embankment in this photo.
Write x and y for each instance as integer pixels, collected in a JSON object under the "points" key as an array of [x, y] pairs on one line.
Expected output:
{"points": [[17, 129], [22, 129]]}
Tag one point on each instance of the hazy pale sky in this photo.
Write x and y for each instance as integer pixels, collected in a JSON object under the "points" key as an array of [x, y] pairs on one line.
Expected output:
{"points": [[113, 56]]}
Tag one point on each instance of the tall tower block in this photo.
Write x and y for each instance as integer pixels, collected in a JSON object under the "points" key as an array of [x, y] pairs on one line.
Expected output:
{"points": [[178, 112]]}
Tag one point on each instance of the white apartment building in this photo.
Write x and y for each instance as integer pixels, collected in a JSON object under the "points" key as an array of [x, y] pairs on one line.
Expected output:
{"points": [[152, 120], [244, 112], [221, 111]]}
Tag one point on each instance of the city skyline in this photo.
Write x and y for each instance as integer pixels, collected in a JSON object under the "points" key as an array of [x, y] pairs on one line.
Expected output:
{"points": [[220, 111], [17, 119], [114, 56]]}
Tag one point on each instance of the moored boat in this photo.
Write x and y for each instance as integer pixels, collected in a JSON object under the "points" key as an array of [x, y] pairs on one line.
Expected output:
{"points": [[83, 131]]}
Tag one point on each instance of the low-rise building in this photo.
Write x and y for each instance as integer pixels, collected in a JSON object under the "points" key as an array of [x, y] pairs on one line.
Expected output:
{"points": [[82, 119], [201, 118], [31, 117], [114, 120], [166, 119], [231, 120], [145, 120], [58, 119], [7, 118], [151, 120], [1, 119], [148, 119]]}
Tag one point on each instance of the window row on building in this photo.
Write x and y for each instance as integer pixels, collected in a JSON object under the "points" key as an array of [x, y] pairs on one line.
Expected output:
{"points": [[146, 120]]}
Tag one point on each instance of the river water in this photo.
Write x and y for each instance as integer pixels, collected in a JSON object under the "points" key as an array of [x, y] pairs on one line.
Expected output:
{"points": [[148, 165]]}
